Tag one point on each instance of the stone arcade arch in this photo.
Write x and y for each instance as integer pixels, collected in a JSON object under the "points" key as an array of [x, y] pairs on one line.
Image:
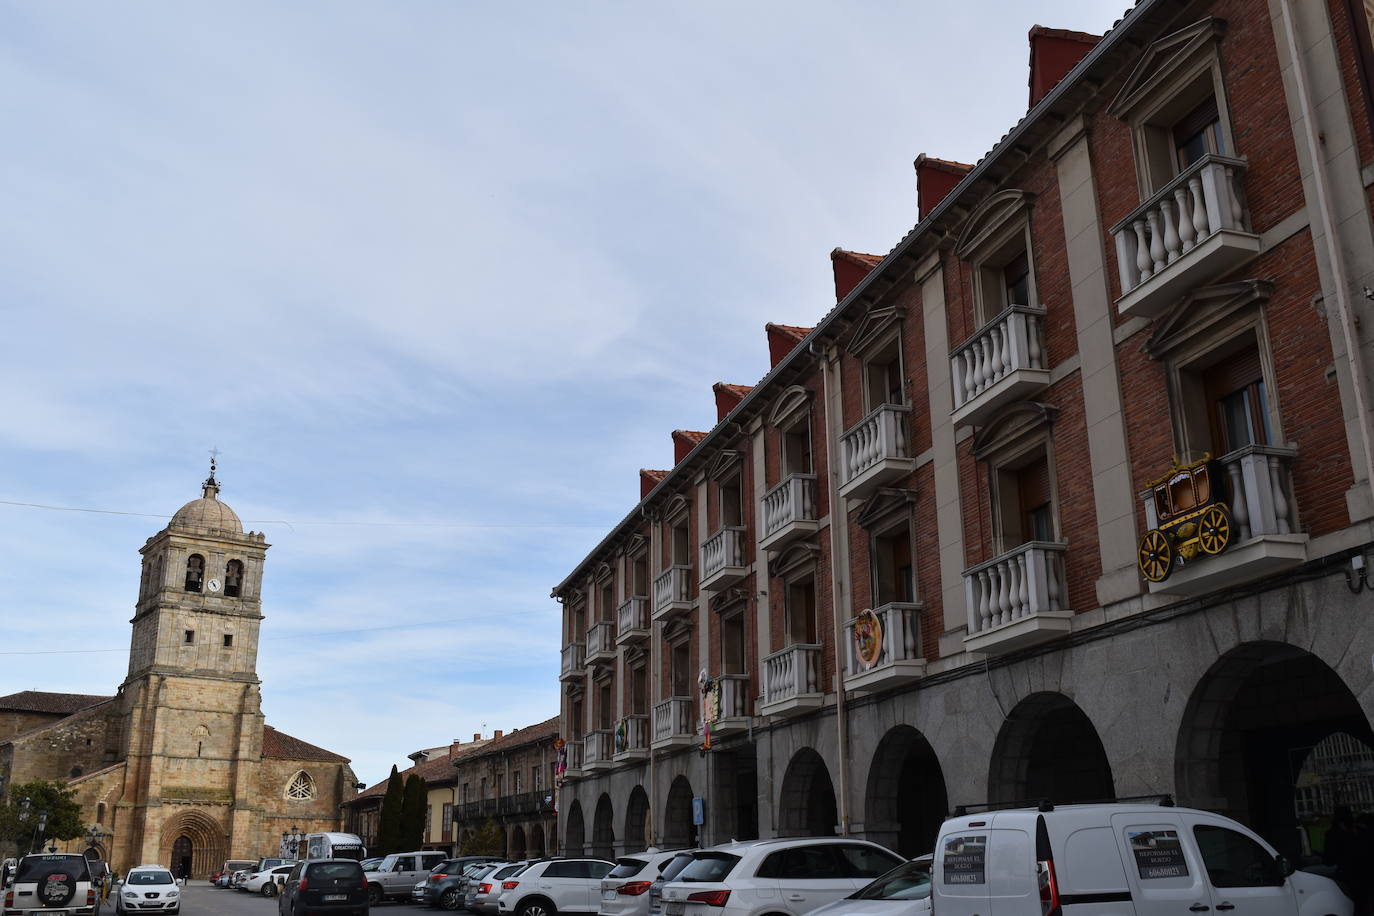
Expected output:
{"points": [[537, 841], [905, 802], [636, 818], [678, 831], [603, 828], [574, 833], [807, 806], [203, 836], [1249, 728], [1048, 748], [516, 844]]}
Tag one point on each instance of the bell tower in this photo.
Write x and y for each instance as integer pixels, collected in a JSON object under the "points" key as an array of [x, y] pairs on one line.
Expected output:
{"points": [[200, 595]]}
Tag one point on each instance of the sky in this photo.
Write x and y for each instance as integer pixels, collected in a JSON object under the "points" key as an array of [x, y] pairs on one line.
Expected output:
{"points": [[436, 279]]}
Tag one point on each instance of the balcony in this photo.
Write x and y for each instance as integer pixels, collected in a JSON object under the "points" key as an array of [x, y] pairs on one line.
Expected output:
{"points": [[632, 738], [875, 452], [633, 620], [722, 559], [1260, 485], [900, 658], [573, 661], [574, 749], [1191, 232], [673, 593], [791, 681], [1004, 362], [674, 723], [598, 750], [1016, 600], [789, 512], [735, 703], [601, 643]]}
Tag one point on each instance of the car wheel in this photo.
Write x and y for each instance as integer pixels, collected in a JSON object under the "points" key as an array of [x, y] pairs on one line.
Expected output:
{"points": [[374, 894], [268, 889], [451, 899], [537, 908]]}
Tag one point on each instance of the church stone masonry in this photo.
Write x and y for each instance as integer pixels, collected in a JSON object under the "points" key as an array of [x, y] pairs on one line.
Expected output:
{"points": [[179, 767]]}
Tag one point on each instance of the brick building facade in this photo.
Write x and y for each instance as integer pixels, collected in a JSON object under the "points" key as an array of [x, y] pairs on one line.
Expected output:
{"points": [[178, 767], [942, 554]]}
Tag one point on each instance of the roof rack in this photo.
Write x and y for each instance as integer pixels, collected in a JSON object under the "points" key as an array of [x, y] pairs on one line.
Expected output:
{"points": [[1165, 800]]}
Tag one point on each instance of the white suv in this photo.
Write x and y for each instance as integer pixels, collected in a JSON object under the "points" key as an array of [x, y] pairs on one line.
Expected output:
{"points": [[625, 889], [148, 888], [1090, 860], [55, 884], [552, 886], [787, 877]]}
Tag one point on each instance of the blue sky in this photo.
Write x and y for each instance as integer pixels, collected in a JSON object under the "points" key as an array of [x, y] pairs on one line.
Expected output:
{"points": [[437, 278]]}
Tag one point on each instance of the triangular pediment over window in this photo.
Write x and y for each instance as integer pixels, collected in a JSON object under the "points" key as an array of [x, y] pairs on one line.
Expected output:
{"points": [[884, 504], [725, 461], [872, 327], [1202, 311], [1162, 60], [1012, 425]]}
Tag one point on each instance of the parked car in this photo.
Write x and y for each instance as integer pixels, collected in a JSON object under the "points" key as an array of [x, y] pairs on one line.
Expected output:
{"points": [[265, 882], [1151, 859], [680, 860], [324, 886], [473, 881], [625, 889], [445, 884], [781, 876], [226, 872], [148, 888], [396, 874], [904, 891], [550, 886], [417, 893], [236, 882], [372, 863], [53, 880], [490, 886]]}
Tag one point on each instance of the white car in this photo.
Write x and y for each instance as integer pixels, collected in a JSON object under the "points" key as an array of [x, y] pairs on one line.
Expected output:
{"points": [[1090, 860], [904, 891], [265, 882], [147, 889], [476, 885], [625, 889], [554, 886], [788, 877]]}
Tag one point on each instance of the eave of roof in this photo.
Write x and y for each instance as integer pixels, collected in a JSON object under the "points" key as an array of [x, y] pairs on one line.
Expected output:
{"points": [[1114, 36]]}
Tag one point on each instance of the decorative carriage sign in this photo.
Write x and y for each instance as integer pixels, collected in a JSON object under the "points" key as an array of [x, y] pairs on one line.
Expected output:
{"points": [[1187, 516], [868, 638]]}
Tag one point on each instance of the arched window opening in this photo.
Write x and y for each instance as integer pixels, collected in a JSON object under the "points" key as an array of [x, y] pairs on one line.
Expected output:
{"points": [[76, 771], [100, 813], [301, 786], [233, 579], [195, 572]]}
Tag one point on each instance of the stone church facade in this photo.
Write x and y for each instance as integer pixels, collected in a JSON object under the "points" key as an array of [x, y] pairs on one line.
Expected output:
{"points": [[178, 767]]}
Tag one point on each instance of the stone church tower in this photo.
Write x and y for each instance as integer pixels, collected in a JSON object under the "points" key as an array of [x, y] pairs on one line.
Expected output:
{"points": [[179, 767]]}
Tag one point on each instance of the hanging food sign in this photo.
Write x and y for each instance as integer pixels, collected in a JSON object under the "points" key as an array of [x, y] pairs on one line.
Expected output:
{"points": [[868, 638]]}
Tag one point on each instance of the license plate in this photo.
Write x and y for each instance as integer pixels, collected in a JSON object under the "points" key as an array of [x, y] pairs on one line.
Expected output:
{"points": [[608, 896], [675, 908], [328, 898]]}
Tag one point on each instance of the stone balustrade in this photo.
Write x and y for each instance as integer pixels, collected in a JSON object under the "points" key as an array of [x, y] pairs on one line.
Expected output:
{"points": [[672, 591], [789, 509], [632, 619], [674, 720], [598, 749], [1003, 362], [573, 660], [875, 451], [632, 735], [792, 673], [601, 642], [1022, 583], [901, 637], [722, 558]]}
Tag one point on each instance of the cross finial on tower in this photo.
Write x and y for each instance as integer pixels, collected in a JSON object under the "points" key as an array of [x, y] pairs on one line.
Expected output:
{"points": [[211, 485]]}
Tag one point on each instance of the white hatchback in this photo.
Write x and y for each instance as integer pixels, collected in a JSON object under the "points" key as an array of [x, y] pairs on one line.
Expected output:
{"points": [[148, 889], [790, 877]]}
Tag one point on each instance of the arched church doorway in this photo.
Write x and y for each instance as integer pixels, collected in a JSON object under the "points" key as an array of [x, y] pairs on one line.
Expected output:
{"points": [[603, 828], [1048, 749], [808, 797], [636, 820], [678, 830], [906, 801], [181, 857], [1274, 738]]}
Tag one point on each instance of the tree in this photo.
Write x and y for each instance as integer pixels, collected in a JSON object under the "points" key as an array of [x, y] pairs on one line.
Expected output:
{"points": [[389, 822], [64, 813], [414, 806], [486, 840]]}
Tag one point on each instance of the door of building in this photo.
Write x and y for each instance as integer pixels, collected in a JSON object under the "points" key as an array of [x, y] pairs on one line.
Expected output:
{"points": [[181, 857]]}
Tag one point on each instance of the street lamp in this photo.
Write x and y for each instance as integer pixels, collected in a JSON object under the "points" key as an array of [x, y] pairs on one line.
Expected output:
{"points": [[39, 831]]}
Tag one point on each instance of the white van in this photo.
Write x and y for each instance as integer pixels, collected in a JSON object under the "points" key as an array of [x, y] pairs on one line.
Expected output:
{"points": [[1118, 859], [334, 846]]}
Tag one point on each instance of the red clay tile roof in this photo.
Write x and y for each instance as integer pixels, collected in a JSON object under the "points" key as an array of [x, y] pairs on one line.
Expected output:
{"points": [[792, 330], [739, 390], [546, 730], [436, 770], [690, 435], [943, 165], [63, 704], [280, 744], [858, 257]]}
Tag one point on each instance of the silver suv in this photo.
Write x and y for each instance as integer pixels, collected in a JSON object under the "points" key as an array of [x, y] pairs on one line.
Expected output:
{"points": [[397, 874], [54, 884]]}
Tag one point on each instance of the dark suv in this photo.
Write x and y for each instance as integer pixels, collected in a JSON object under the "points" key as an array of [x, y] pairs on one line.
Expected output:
{"points": [[322, 886], [444, 887]]}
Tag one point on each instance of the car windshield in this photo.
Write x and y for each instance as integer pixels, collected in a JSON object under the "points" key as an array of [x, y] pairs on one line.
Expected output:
{"points": [[149, 877], [709, 866], [31, 868], [908, 881]]}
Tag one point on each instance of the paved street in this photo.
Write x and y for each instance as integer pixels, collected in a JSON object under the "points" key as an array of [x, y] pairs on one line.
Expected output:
{"points": [[203, 900]]}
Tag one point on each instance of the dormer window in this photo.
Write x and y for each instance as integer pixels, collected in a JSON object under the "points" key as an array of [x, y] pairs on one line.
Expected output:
{"points": [[195, 572], [233, 579]]}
